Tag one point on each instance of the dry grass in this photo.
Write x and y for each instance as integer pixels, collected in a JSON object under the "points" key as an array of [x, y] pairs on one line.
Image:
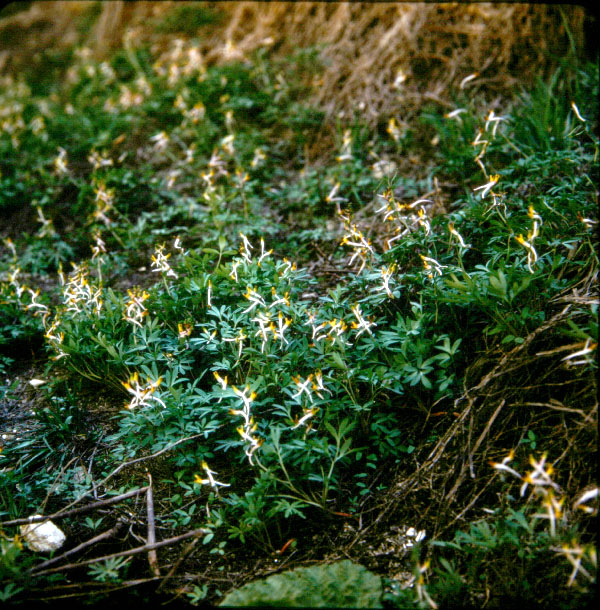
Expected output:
{"points": [[505, 394], [365, 46]]}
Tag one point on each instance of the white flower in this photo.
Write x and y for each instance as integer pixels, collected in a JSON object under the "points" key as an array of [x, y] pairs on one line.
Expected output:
{"points": [[210, 480], [160, 140], [458, 236], [577, 113], [141, 395], [160, 261], [487, 187], [361, 324], [303, 387], [588, 348], [386, 275], [254, 298], [308, 414], [494, 119], [455, 114], [467, 79]]}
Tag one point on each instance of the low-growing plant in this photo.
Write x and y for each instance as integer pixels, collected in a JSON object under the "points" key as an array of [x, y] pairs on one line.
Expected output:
{"points": [[290, 338], [341, 585]]}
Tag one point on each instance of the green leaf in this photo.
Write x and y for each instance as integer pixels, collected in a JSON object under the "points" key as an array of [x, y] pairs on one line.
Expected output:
{"points": [[339, 585], [337, 359]]}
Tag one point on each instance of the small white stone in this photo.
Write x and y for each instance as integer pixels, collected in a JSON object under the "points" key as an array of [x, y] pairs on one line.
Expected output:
{"points": [[37, 382], [43, 536]]}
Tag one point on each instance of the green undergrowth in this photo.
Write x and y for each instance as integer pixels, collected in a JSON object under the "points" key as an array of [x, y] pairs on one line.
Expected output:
{"points": [[284, 334]]}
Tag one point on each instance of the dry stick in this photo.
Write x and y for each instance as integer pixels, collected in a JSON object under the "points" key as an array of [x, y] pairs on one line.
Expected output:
{"points": [[497, 371], [148, 457], [55, 484], [83, 545], [462, 474], [188, 549], [112, 474], [468, 507], [94, 487], [94, 586], [82, 509], [134, 551], [151, 538]]}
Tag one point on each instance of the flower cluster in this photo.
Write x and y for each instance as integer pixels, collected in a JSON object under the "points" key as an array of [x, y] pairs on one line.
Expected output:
{"points": [[248, 427], [160, 262], [395, 130], [210, 480], [104, 202], [56, 338], [79, 295], [362, 246], [14, 281], [488, 186], [47, 229], [431, 266], [306, 387], [17, 289], [267, 325], [98, 248], [386, 276], [552, 508], [346, 151], [40, 307], [531, 235], [182, 60], [332, 330], [454, 233], [587, 348], [142, 394], [403, 215], [361, 325], [135, 310], [100, 160], [61, 162]]}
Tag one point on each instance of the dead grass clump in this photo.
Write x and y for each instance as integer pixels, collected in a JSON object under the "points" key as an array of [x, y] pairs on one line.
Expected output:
{"points": [[380, 58], [531, 387]]}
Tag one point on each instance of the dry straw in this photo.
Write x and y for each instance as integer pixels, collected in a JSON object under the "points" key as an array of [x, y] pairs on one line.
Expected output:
{"points": [[380, 58]]}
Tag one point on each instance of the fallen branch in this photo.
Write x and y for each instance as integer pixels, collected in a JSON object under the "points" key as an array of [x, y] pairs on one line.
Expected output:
{"points": [[97, 588], [151, 538], [64, 512], [134, 551], [188, 549], [83, 545], [459, 479], [68, 513]]}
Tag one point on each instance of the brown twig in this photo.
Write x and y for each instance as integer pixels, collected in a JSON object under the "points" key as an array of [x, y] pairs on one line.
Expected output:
{"points": [[102, 502], [82, 509], [83, 545], [151, 538], [134, 551], [149, 457], [96, 588], [188, 549], [459, 479]]}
